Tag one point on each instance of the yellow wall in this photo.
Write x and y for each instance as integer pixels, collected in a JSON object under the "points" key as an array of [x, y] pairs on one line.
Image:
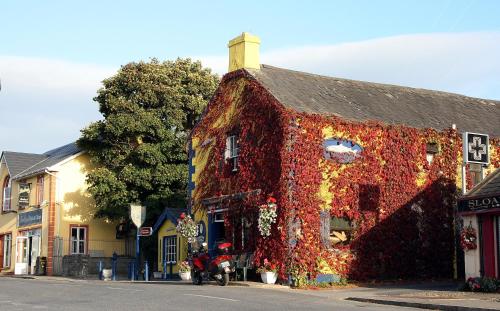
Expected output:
{"points": [[74, 206], [168, 229]]}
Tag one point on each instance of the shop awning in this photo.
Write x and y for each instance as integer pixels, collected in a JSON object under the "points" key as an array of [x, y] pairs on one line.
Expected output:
{"points": [[483, 198]]}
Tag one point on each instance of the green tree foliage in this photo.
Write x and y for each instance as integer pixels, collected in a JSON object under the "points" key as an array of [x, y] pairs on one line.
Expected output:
{"points": [[139, 148]]}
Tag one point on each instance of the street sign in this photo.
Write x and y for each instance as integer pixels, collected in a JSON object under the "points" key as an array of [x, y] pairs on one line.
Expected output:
{"points": [[137, 214], [476, 148], [146, 231]]}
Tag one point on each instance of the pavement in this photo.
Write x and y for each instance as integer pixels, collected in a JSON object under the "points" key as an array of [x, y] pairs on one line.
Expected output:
{"points": [[427, 295]]}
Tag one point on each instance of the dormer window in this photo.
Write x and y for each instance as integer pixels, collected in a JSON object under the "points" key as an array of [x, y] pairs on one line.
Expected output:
{"points": [[6, 195], [431, 150], [232, 151]]}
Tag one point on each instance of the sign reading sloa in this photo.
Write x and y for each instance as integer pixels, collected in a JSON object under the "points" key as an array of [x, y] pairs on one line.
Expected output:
{"points": [[476, 148]]}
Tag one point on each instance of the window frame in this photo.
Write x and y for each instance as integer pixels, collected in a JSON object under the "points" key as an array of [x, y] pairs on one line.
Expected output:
{"points": [[7, 196], [7, 250], [232, 150], [168, 247], [85, 240], [40, 185]]}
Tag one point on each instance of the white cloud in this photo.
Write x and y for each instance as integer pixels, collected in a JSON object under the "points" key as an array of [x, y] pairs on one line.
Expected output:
{"points": [[465, 63], [44, 103]]}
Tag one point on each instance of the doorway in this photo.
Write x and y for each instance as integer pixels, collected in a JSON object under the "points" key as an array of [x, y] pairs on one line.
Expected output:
{"points": [[27, 252], [216, 230]]}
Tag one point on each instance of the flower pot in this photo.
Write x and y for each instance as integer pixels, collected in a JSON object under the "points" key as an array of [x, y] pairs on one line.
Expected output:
{"points": [[106, 274], [269, 277], [185, 276]]}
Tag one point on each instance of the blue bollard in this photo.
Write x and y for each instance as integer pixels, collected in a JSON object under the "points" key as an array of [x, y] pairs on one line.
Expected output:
{"points": [[146, 271], [132, 274], [171, 270], [114, 260], [164, 269], [100, 269]]}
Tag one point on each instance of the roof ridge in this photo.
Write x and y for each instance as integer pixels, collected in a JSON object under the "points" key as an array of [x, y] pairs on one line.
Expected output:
{"points": [[252, 71]]}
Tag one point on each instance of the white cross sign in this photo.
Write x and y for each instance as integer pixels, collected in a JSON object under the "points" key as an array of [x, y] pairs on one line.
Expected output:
{"points": [[476, 148]]}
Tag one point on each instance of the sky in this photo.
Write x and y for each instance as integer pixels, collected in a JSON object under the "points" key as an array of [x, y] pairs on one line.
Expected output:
{"points": [[54, 54]]}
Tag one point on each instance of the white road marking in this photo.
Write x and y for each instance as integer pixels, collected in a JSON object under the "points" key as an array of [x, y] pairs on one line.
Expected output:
{"points": [[212, 297], [130, 289]]}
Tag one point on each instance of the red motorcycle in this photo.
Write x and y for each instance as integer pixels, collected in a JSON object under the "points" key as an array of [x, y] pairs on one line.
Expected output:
{"points": [[218, 268]]}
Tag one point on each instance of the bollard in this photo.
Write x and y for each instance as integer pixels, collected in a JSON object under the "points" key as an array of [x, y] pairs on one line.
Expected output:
{"points": [[146, 271], [164, 269], [133, 272], [100, 269], [171, 270], [113, 266]]}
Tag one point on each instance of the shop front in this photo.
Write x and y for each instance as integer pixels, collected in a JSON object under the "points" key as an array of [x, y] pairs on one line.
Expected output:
{"points": [[480, 237], [28, 242]]}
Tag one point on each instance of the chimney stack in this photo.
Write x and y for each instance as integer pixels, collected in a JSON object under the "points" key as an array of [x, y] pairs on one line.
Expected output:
{"points": [[244, 52]]}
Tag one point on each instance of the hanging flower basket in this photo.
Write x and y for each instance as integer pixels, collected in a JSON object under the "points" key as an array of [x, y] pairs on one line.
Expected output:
{"points": [[267, 217], [187, 227], [468, 238]]}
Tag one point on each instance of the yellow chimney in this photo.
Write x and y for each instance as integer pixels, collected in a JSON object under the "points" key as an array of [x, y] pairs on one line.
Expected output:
{"points": [[244, 52]]}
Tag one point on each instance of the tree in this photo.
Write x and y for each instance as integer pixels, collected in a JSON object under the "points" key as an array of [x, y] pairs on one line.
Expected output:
{"points": [[139, 148]]}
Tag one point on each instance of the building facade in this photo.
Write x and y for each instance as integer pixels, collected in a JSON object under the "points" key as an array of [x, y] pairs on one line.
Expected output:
{"points": [[365, 176], [48, 214]]}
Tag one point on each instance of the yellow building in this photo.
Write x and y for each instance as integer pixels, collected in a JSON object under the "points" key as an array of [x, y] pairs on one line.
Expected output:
{"points": [[47, 213]]}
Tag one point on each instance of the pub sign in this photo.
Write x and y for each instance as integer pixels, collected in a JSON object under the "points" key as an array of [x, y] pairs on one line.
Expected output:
{"points": [[476, 148], [479, 204], [24, 195], [29, 218]]}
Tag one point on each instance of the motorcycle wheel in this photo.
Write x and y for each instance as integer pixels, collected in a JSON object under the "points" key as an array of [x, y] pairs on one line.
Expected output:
{"points": [[224, 280], [197, 278]]}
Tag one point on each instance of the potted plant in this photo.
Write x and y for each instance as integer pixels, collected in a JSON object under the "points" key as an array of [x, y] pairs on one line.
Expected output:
{"points": [[268, 272], [185, 271]]}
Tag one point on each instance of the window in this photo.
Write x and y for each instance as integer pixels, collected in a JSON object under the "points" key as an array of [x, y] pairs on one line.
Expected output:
{"points": [[170, 249], [431, 150], [475, 173], [232, 151], [39, 190], [78, 240], [6, 192], [7, 249], [335, 230]]}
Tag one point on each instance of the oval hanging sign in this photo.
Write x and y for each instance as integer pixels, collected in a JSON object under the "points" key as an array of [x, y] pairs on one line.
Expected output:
{"points": [[341, 150]]}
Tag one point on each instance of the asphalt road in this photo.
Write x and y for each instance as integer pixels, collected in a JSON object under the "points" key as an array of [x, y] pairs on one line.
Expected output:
{"points": [[64, 294]]}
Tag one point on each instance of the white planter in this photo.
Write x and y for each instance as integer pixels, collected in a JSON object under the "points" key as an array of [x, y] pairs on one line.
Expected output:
{"points": [[269, 277], [106, 274], [157, 275], [185, 276]]}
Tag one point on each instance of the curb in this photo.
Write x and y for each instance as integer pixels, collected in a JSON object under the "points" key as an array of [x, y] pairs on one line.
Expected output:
{"points": [[419, 305]]}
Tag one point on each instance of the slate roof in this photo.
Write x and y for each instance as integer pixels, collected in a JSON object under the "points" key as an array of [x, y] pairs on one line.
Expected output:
{"points": [[169, 213], [19, 161], [391, 104], [487, 187], [22, 165]]}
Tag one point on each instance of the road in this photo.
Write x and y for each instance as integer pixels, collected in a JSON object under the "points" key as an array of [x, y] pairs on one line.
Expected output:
{"points": [[75, 295]]}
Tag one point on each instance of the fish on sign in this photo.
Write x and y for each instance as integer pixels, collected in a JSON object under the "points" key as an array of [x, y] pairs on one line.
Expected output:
{"points": [[476, 148], [137, 214], [341, 150]]}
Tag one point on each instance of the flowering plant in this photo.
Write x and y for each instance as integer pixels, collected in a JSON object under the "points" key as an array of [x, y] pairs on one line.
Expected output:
{"points": [[267, 216], [468, 238], [267, 267], [187, 227], [184, 267]]}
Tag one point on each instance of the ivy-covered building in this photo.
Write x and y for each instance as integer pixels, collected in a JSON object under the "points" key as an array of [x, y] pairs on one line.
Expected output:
{"points": [[365, 175]]}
